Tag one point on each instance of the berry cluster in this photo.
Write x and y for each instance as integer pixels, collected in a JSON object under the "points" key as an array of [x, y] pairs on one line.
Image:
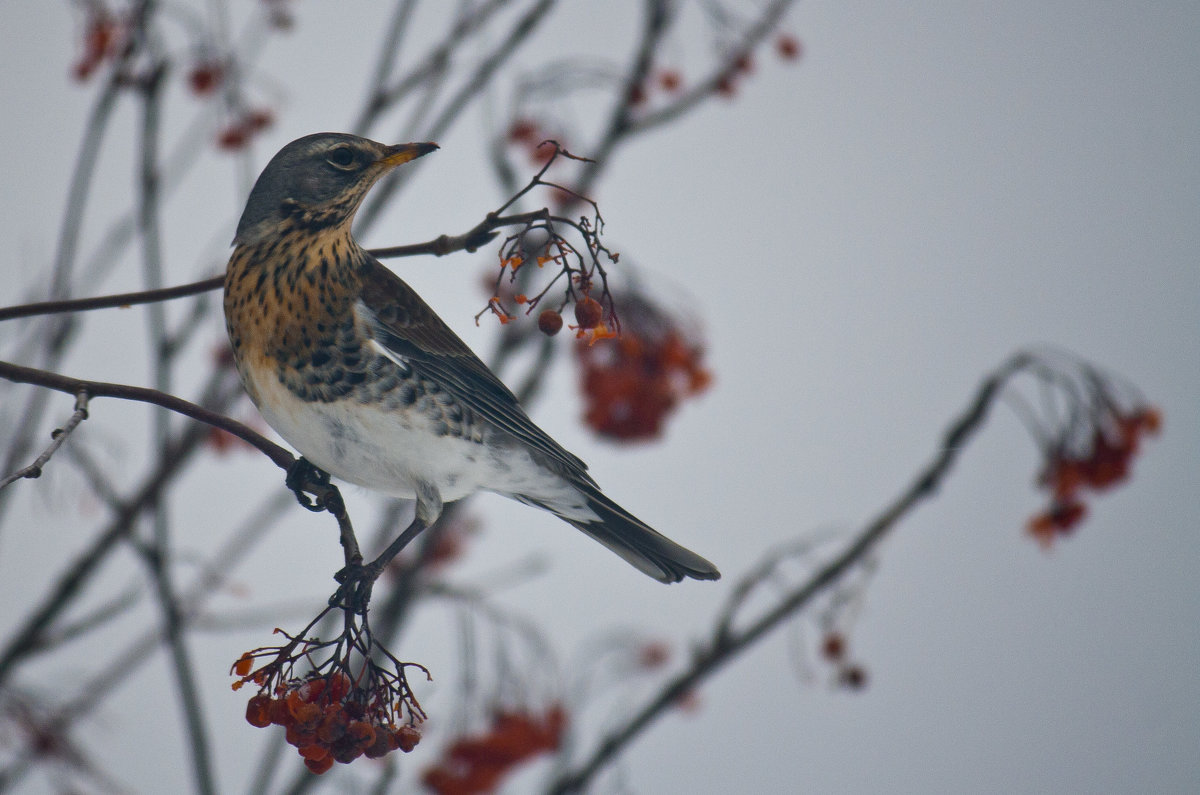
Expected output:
{"points": [[633, 383], [539, 243], [104, 34], [478, 763], [850, 675], [242, 129], [1101, 464], [1089, 426], [670, 82], [329, 714], [330, 720]]}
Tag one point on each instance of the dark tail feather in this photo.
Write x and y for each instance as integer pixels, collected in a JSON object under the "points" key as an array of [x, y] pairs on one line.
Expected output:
{"points": [[648, 550]]}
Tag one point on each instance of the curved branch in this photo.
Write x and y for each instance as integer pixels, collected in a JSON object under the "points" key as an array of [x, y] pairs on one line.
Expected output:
{"points": [[726, 644], [29, 375], [109, 301]]}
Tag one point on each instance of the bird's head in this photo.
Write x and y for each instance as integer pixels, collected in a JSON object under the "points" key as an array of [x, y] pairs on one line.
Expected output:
{"points": [[321, 179]]}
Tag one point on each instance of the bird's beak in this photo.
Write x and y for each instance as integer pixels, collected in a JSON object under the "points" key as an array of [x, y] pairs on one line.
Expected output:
{"points": [[402, 153]]}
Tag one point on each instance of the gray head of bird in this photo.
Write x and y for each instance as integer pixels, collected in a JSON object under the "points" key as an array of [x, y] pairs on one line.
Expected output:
{"points": [[319, 181]]}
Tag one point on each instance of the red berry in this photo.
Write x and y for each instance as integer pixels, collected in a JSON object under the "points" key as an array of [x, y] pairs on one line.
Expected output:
{"points": [[205, 77], [523, 131], [588, 313], [834, 646], [550, 322], [788, 47], [258, 711], [233, 137], [259, 119]]}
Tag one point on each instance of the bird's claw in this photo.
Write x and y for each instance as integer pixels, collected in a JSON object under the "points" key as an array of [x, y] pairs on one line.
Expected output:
{"points": [[303, 478], [354, 592]]}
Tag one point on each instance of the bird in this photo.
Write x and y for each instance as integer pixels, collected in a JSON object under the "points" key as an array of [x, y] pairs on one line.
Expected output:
{"points": [[355, 371]]}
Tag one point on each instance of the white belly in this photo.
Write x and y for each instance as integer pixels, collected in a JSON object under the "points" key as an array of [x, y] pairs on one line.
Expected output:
{"points": [[385, 451], [391, 451]]}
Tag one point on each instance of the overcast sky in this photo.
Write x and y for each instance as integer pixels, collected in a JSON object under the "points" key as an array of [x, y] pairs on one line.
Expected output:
{"points": [[865, 234]]}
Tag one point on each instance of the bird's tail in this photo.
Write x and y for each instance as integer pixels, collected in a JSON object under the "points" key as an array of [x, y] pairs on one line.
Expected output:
{"points": [[646, 549]]}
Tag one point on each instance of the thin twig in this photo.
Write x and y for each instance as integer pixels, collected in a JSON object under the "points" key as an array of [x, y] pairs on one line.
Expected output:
{"points": [[59, 436], [471, 88]]}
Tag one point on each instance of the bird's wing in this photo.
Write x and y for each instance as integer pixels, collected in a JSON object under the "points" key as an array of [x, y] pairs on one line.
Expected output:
{"points": [[406, 327]]}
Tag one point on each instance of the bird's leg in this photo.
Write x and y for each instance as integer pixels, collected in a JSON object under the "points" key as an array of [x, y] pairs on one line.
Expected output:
{"points": [[304, 478], [357, 579]]}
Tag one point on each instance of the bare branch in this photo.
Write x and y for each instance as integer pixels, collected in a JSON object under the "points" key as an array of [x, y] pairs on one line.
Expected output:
{"points": [[727, 644], [59, 436], [109, 301], [29, 375]]}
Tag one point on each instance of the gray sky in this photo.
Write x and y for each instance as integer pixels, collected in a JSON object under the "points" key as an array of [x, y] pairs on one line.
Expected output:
{"points": [[865, 234]]}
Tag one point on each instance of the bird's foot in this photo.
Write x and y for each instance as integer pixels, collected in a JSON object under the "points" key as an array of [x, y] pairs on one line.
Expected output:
{"points": [[304, 478], [354, 591]]}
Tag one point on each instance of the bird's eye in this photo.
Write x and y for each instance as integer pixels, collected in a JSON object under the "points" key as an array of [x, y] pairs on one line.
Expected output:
{"points": [[340, 157]]}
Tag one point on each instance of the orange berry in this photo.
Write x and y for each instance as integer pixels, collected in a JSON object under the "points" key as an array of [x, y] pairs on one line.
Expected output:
{"points": [[297, 736], [314, 752], [242, 666], [407, 738], [361, 733], [319, 766], [338, 686], [278, 712], [333, 724], [258, 711], [588, 313]]}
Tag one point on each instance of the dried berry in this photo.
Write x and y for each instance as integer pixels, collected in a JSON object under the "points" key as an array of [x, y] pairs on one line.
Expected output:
{"points": [[550, 322], [588, 312]]}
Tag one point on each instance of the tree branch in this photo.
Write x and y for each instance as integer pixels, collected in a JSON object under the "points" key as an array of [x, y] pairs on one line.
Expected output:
{"points": [[29, 375], [727, 644], [59, 436]]}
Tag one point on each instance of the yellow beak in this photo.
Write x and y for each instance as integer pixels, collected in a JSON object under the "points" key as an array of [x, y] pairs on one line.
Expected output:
{"points": [[402, 153]]}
